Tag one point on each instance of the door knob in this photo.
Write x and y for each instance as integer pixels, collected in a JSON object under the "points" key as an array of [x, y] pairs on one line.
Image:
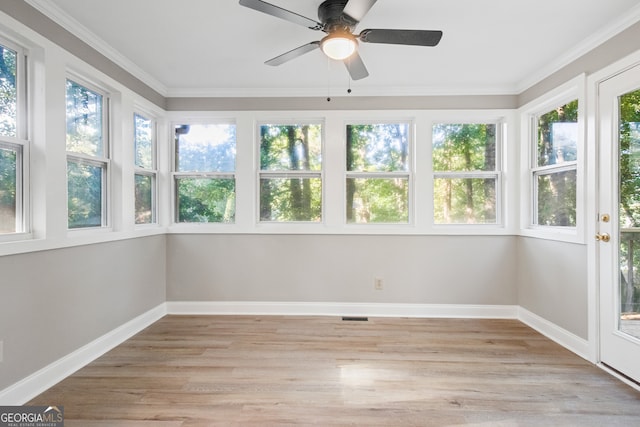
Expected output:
{"points": [[603, 237]]}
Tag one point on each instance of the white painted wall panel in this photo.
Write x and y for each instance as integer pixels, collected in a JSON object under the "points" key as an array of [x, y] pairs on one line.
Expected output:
{"points": [[341, 268], [552, 282], [54, 302]]}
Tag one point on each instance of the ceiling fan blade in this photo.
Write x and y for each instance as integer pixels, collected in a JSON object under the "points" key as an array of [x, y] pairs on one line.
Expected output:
{"points": [[357, 9], [278, 12], [355, 66], [407, 37], [292, 54]]}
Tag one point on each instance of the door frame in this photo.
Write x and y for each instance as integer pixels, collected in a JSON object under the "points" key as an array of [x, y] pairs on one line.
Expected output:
{"points": [[592, 219]]}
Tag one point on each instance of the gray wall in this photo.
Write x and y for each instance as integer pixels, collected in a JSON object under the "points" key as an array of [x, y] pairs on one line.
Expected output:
{"points": [[341, 268], [54, 302], [552, 282]]}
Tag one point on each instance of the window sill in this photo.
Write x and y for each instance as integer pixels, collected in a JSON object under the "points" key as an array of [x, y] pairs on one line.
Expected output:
{"points": [[560, 234], [27, 245], [342, 229]]}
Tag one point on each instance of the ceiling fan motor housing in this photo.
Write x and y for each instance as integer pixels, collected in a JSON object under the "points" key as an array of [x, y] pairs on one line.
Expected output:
{"points": [[330, 13]]}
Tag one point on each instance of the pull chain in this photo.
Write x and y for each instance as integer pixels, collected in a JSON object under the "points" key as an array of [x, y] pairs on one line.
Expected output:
{"points": [[328, 80]]}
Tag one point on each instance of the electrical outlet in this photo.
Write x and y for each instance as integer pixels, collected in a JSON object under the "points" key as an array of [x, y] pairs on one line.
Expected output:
{"points": [[377, 284]]}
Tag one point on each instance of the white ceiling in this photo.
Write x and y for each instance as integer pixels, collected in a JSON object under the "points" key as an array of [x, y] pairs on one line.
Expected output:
{"points": [[218, 48]]}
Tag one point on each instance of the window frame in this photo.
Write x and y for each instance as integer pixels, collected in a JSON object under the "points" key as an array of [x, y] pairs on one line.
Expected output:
{"points": [[409, 175], [547, 170], [498, 173], [21, 144], [104, 161], [177, 175], [290, 174], [142, 171], [572, 90]]}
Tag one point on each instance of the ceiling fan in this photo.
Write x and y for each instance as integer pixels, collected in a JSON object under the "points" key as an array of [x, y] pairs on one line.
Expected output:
{"points": [[339, 18]]}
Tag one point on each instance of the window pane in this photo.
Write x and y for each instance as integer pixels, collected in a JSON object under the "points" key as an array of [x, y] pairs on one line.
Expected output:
{"points": [[629, 159], [629, 211], [206, 199], [144, 189], [85, 190], [464, 147], [464, 200], [206, 148], [557, 198], [84, 121], [143, 141], [9, 158], [378, 147], [8, 92], [291, 147], [291, 199], [377, 200], [558, 135]]}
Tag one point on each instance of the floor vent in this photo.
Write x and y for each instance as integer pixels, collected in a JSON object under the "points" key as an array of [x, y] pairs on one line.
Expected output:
{"points": [[354, 319]]}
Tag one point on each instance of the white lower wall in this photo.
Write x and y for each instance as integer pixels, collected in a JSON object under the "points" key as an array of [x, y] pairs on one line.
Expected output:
{"points": [[478, 270], [552, 283], [54, 302], [61, 308]]}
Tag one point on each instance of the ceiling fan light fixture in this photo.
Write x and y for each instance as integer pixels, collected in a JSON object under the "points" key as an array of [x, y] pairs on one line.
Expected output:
{"points": [[339, 45]]}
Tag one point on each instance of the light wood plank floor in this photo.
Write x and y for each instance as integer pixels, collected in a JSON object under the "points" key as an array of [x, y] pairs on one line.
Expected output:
{"points": [[187, 371]]}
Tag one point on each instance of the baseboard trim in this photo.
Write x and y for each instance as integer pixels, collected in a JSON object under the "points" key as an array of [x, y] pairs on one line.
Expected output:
{"points": [[342, 309], [38, 382], [570, 341], [31, 386]]}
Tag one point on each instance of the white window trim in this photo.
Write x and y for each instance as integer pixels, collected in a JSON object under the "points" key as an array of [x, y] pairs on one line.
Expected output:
{"points": [[567, 92], [154, 195], [290, 173], [334, 172], [175, 175], [153, 172], [501, 132], [22, 144], [409, 175], [102, 161]]}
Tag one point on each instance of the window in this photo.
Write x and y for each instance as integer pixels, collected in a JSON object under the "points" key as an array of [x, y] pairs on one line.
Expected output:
{"points": [[145, 169], [290, 172], [378, 173], [466, 177], [204, 177], [554, 171], [87, 157], [13, 140]]}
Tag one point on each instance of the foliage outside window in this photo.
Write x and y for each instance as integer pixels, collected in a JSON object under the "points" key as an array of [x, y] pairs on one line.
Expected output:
{"points": [[291, 172], [204, 177], [629, 202], [145, 170], [87, 156], [378, 173], [13, 141], [466, 178], [555, 169]]}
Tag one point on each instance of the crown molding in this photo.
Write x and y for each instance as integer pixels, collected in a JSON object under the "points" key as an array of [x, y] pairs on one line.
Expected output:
{"points": [[587, 45], [336, 91], [48, 8], [70, 24]]}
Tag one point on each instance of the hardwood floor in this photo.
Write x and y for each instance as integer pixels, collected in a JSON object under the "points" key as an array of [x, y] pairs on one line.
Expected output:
{"points": [[187, 371]]}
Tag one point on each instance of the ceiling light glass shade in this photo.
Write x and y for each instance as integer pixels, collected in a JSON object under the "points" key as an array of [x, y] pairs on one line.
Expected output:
{"points": [[339, 46]]}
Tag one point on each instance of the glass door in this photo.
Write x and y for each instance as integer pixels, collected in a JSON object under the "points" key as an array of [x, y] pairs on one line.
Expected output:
{"points": [[619, 222]]}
